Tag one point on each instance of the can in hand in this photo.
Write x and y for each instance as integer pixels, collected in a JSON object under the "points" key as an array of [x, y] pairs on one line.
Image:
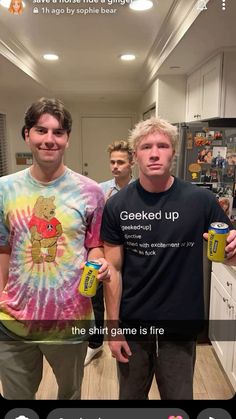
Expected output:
{"points": [[218, 233], [88, 282]]}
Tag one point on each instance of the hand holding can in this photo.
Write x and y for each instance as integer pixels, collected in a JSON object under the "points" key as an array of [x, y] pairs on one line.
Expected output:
{"points": [[217, 239], [89, 282]]}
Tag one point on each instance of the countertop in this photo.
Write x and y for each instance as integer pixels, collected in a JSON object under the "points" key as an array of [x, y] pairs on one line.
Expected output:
{"points": [[232, 269]]}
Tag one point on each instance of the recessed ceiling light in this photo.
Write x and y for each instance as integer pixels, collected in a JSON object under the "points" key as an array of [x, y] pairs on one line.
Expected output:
{"points": [[6, 3], [127, 57], [140, 5], [50, 57]]}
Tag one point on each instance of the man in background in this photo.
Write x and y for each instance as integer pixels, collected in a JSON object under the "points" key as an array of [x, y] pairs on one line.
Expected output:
{"points": [[121, 163]]}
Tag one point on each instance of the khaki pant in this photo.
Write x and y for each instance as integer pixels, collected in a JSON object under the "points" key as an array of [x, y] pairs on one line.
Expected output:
{"points": [[21, 367]]}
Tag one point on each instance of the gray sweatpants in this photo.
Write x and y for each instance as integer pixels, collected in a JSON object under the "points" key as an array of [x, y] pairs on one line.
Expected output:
{"points": [[21, 367], [172, 363]]}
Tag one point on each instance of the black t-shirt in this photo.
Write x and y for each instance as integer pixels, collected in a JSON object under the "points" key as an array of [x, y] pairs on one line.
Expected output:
{"points": [[161, 233]]}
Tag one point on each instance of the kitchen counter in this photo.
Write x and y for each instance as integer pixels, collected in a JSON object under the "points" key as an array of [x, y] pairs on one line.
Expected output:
{"points": [[232, 269]]}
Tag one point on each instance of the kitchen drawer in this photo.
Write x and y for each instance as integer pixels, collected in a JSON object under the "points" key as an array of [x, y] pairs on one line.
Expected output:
{"points": [[227, 277]]}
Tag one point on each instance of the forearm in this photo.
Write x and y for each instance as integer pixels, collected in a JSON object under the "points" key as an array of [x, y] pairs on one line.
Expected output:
{"points": [[112, 292], [4, 266], [113, 289], [95, 253]]}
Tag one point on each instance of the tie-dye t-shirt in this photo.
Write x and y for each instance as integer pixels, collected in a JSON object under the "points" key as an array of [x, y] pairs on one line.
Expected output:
{"points": [[50, 228]]}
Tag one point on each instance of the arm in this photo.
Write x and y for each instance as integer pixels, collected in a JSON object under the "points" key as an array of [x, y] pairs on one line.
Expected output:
{"points": [[97, 253], [216, 213], [230, 248], [93, 240], [113, 290], [4, 265]]}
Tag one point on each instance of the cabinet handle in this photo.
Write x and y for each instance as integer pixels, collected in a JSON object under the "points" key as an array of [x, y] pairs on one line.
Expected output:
{"points": [[230, 307], [225, 300], [229, 284]]}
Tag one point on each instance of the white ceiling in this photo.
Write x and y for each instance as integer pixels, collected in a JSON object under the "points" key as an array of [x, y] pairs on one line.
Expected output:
{"points": [[173, 33]]}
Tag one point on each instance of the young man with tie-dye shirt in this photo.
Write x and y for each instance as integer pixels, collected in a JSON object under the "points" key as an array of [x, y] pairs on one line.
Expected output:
{"points": [[50, 222]]}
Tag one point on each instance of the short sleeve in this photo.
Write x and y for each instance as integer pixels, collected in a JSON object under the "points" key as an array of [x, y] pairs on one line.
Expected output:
{"points": [[111, 230]]}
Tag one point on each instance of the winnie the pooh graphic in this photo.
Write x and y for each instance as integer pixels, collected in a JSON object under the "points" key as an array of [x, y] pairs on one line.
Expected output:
{"points": [[45, 230]]}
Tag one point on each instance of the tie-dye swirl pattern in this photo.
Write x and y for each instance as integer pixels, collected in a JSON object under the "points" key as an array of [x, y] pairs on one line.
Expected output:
{"points": [[48, 290]]}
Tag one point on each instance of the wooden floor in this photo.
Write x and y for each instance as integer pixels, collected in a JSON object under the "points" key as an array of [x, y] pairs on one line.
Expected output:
{"points": [[100, 380]]}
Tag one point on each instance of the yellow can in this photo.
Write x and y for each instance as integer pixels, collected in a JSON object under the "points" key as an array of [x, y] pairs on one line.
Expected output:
{"points": [[88, 282], [217, 240]]}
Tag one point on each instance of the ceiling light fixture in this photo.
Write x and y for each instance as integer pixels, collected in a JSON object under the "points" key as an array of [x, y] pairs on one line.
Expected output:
{"points": [[50, 57], [127, 57], [141, 5]]}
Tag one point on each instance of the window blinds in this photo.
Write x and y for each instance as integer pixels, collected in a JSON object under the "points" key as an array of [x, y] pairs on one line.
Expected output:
{"points": [[3, 146]]}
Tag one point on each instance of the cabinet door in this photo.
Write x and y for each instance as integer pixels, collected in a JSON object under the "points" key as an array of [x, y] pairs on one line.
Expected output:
{"points": [[228, 104], [193, 101], [219, 310], [231, 361], [211, 83], [226, 276]]}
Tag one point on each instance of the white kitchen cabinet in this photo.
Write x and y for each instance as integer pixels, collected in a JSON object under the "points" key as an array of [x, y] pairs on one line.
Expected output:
{"points": [[222, 318], [231, 359], [228, 102], [167, 95], [204, 91], [193, 100], [211, 90], [218, 311], [211, 76]]}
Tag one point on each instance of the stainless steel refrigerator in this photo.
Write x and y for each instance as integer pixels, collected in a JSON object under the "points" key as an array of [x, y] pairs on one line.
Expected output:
{"points": [[206, 156]]}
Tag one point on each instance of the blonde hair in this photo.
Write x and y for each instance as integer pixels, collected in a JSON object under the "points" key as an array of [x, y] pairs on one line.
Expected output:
{"points": [[149, 126], [121, 145], [11, 9]]}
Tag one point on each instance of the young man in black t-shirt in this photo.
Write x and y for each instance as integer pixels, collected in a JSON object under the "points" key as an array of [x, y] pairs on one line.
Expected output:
{"points": [[153, 233]]}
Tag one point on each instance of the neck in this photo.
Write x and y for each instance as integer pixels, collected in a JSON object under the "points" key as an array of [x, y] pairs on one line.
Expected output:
{"points": [[46, 174], [122, 182], [156, 184]]}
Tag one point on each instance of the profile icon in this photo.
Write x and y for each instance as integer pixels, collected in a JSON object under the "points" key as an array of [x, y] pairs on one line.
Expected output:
{"points": [[16, 7]]}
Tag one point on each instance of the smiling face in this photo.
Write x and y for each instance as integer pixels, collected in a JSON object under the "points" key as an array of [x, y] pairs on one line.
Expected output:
{"points": [[47, 141], [154, 155]]}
